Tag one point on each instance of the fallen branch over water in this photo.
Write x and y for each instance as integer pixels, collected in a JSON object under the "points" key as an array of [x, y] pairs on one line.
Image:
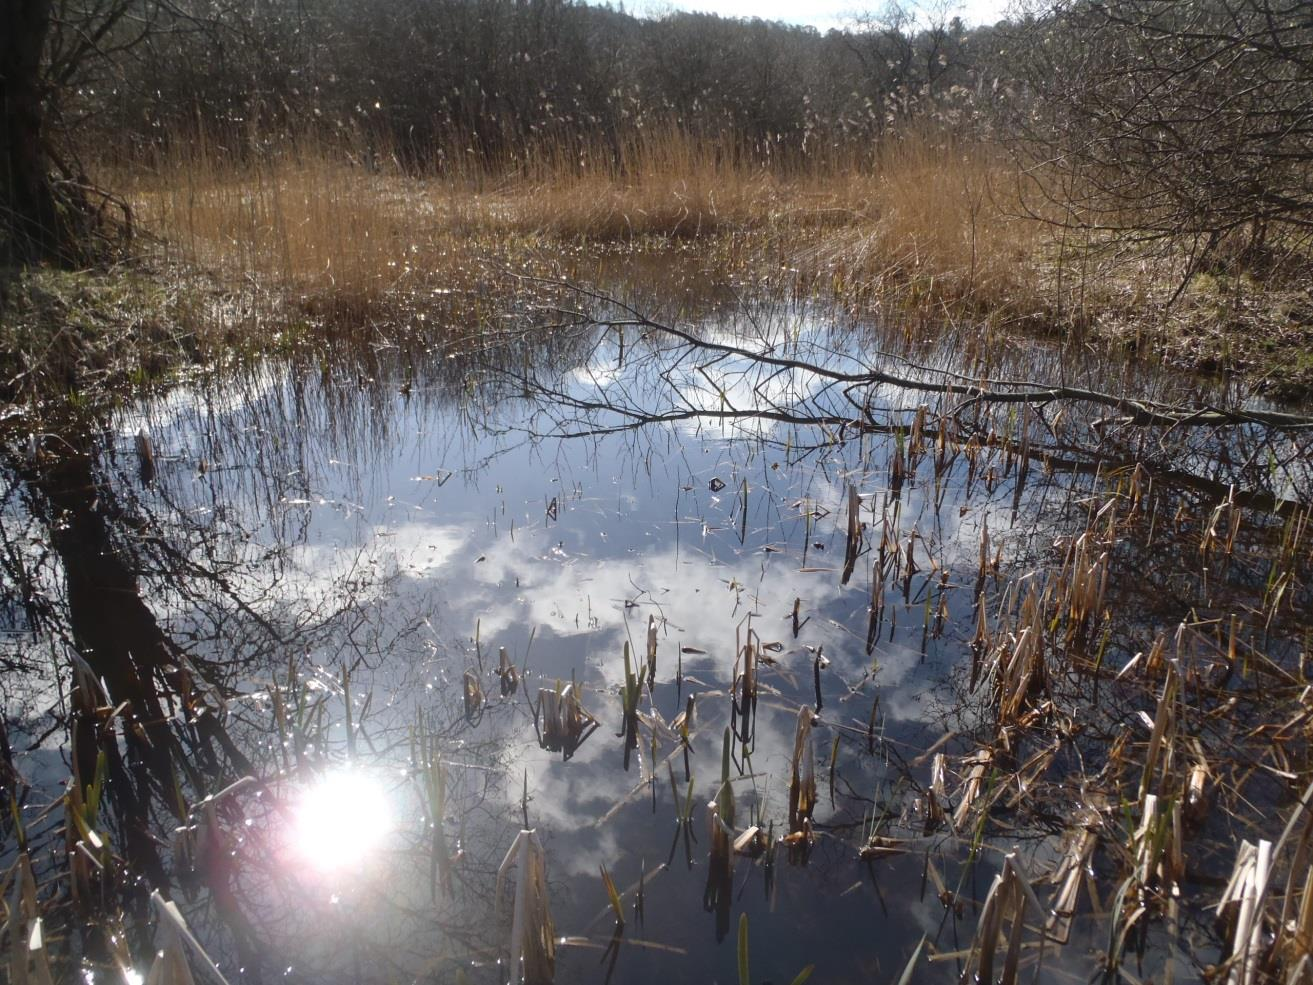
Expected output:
{"points": [[1252, 457], [983, 391]]}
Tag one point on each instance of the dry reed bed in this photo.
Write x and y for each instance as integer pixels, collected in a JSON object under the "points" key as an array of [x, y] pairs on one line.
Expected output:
{"points": [[1202, 732], [1169, 744], [925, 219]]}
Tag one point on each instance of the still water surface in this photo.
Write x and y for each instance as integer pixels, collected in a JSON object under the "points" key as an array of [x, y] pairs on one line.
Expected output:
{"points": [[336, 550]]}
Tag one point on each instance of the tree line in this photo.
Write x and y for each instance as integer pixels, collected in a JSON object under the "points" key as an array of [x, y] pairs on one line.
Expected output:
{"points": [[497, 73]]}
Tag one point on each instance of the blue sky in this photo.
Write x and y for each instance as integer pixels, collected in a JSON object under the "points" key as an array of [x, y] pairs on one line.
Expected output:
{"points": [[821, 14]]}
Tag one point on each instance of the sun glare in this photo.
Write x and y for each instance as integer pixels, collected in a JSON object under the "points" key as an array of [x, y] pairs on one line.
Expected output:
{"points": [[341, 820]]}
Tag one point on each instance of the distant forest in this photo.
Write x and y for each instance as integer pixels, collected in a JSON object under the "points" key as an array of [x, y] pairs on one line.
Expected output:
{"points": [[497, 73]]}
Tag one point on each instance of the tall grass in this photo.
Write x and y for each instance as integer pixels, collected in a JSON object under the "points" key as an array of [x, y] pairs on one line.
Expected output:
{"points": [[342, 223], [937, 219], [305, 218]]}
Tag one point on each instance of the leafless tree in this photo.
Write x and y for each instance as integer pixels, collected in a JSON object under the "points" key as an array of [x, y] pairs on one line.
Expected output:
{"points": [[1164, 120]]}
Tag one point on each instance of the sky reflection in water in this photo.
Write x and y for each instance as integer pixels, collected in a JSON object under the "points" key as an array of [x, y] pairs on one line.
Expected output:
{"points": [[436, 509], [341, 820], [560, 551]]}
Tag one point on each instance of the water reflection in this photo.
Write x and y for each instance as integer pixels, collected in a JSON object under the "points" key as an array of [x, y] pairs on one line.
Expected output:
{"points": [[341, 820], [328, 551]]}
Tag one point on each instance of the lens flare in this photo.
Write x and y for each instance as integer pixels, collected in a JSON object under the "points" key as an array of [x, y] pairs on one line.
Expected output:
{"points": [[341, 820]]}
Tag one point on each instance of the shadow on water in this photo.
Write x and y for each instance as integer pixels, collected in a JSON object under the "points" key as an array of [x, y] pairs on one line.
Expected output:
{"points": [[759, 620]]}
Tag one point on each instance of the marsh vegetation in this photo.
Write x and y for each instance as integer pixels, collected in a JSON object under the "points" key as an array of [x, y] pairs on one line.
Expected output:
{"points": [[720, 520]]}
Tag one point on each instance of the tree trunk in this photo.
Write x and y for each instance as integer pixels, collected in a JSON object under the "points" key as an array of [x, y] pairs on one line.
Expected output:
{"points": [[34, 224]]}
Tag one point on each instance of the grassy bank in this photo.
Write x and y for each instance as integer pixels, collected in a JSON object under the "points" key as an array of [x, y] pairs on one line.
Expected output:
{"points": [[68, 334]]}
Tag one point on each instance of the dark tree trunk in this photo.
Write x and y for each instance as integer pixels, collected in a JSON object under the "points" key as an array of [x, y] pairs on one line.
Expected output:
{"points": [[34, 224]]}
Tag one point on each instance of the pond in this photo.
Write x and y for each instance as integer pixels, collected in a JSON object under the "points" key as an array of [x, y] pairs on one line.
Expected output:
{"points": [[798, 642]]}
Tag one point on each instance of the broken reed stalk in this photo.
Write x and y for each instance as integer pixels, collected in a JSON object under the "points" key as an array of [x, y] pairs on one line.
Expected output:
{"points": [[720, 832], [875, 617], [870, 725], [978, 764], [1017, 660], [683, 816], [853, 539], [724, 801], [743, 511], [629, 707], [938, 794], [802, 778], [1068, 876], [1156, 848], [1083, 582], [1001, 919], [651, 652], [1294, 941], [88, 853], [29, 959], [1242, 908], [745, 688], [898, 466], [171, 966], [473, 693], [682, 725], [1198, 792], [560, 720], [983, 564], [612, 896], [533, 935], [1241, 902], [1162, 738], [819, 663], [910, 567], [507, 673]]}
